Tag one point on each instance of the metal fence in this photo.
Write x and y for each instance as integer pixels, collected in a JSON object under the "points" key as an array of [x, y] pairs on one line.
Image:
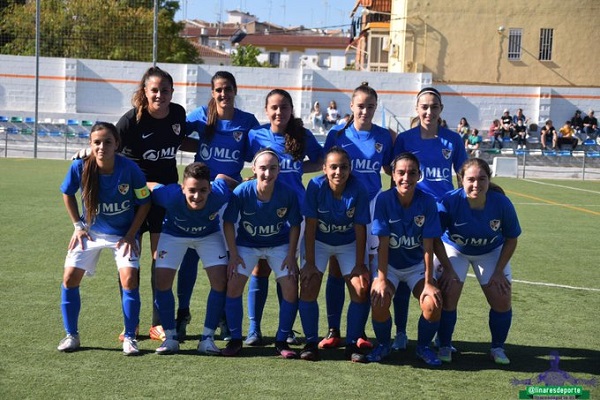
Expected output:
{"points": [[584, 165]]}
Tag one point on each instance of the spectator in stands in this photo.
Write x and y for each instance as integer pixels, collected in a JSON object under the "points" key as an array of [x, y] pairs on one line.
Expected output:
{"points": [[443, 123], [345, 119], [473, 144], [463, 128], [567, 136], [520, 135], [519, 116], [548, 129], [590, 126], [507, 126], [316, 118], [333, 115], [495, 134], [577, 122]]}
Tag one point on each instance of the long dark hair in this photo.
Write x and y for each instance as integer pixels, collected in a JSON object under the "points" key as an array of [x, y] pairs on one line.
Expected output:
{"points": [[139, 100], [482, 164], [211, 118], [295, 134], [90, 177], [367, 90]]}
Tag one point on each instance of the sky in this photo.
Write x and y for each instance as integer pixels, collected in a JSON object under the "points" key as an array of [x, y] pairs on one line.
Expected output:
{"points": [[322, 14]]}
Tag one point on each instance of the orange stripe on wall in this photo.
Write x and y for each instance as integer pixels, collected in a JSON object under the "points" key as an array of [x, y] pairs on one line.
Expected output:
{"points": [[312, 89]]}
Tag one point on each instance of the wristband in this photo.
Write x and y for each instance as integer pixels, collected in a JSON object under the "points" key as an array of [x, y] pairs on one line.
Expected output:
{"points": [[79, 226]]}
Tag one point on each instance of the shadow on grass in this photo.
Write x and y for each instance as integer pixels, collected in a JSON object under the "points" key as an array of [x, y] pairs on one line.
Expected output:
{"points": [[471, 356]]}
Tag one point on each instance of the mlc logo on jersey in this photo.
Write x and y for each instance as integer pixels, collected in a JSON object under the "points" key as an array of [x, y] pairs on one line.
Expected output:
{"points": [[123, 188]]}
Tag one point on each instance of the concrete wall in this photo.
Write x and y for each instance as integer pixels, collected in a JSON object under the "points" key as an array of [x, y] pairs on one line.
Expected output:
{"points": [[460, 41], [102, 90]]}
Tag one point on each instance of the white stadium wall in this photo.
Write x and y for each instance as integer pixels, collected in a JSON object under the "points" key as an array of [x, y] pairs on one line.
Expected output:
{"points": [[102, 90]]}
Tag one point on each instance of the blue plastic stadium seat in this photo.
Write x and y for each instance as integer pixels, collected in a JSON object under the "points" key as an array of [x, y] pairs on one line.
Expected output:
{"points": [[593, 154], [589, 142], [72, 122], [29, 120], [3, 118], [563, 153]]}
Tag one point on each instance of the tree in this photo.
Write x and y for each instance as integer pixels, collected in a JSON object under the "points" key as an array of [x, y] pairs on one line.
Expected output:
{"points": [[116, 30], [245, 56]]}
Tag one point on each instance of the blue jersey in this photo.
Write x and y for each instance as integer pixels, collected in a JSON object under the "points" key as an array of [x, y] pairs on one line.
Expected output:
{"points": [[437, 156], [475, 232], [336, 217], [369, 151], [119, 193], [406, 227], [263, 224], [180, 221], [226, 151], [290, 170]]}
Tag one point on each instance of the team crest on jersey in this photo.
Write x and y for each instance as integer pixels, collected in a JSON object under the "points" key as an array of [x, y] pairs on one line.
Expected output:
{"points": [[378, 147], [162, 254], [213, 216], [237, 135], [446, 153], [176, 128], [419, 220], [281, 212], [123, 188], [495, 224], [350, 212]]}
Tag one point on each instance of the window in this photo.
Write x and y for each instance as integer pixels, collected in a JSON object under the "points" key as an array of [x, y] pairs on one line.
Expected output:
{"points": [[378, 52], [514, 44], [546, 36], [274, 58], [324, 60]]}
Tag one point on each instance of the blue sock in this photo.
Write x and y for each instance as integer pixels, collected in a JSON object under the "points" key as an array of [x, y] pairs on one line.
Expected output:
{"points": [[186, 278], [258, 289], [131, 310], [165, 304], [309, 315], [499, 326], [215, 304], [401, 302], [287, 316], [70, 305], [447, 323], [335, 295], [356, 319], [383, 331], [426, 331], [234, 312]]}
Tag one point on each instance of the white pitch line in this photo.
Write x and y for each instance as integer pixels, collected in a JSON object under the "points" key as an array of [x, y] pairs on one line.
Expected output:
{"points": [[546, 204], [561, 186], [550, 285]]}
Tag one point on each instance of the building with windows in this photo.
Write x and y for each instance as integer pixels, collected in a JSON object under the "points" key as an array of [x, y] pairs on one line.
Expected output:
{"points": [[280, 47], [512, 42]]}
